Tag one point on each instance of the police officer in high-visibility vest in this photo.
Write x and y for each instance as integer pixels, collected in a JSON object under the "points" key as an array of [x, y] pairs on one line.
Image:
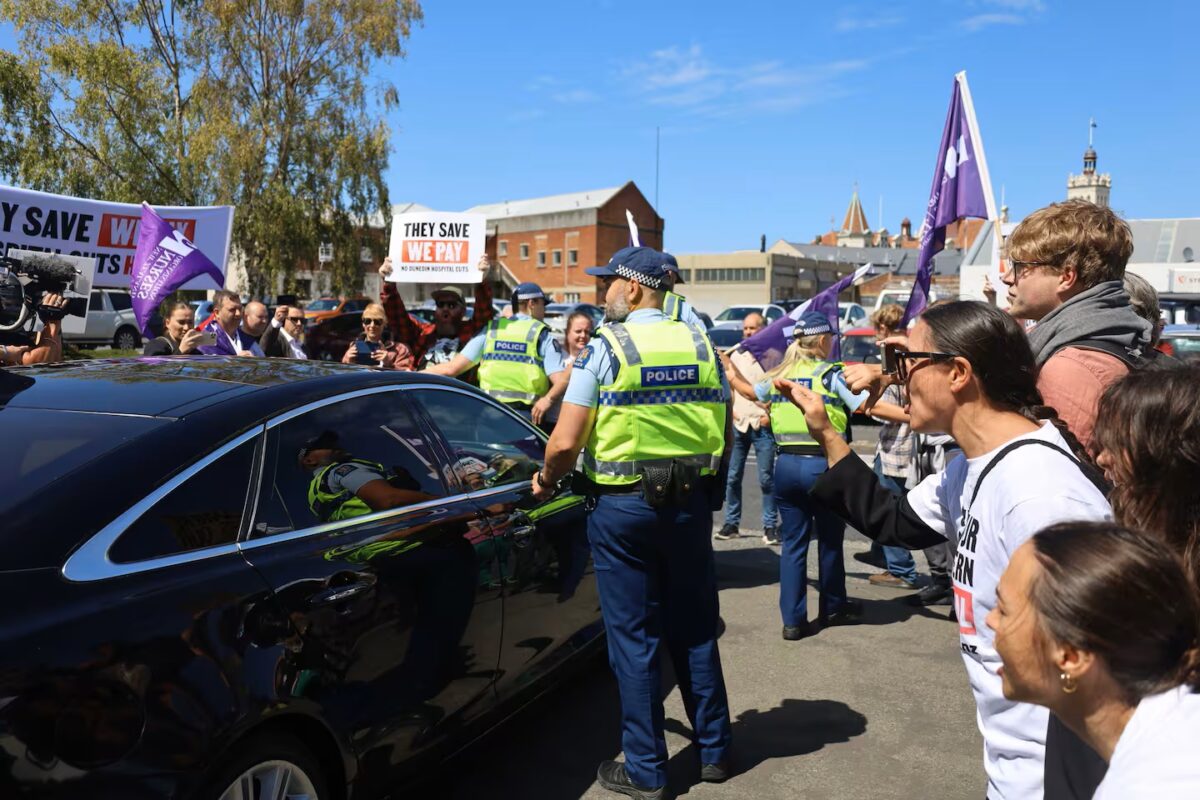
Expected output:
{"points": [[343, 486], [799, 463], [520, 361], [675, 305], [647, 403]]}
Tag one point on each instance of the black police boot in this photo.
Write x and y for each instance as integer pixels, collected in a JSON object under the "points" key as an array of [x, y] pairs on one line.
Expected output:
{"points": [[848, 613], [612, 776], [937, 593], [718, 772], [794, 633]]}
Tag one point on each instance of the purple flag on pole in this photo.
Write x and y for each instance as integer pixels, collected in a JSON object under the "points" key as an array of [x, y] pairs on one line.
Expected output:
{"points": [[768, 345], [960, 188], [165, 260]]}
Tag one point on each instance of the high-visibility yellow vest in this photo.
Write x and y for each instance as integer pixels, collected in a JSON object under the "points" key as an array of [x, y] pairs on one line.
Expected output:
{"points": [[666, 404], [787, 420], [328, 505], [673, 306], [511, 369]]}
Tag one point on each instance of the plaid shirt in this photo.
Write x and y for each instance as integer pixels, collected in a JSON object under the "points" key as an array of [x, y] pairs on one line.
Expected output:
{"points": [[420, 336], [896, 440]]}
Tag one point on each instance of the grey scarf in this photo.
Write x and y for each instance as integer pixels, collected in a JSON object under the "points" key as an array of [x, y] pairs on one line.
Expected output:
{"points": [[1102, 313]]}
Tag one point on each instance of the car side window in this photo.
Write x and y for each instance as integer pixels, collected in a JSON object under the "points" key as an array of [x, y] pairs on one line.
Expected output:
{"points": [[773, 314], [359, 440], [489, 447], [204, 511], [96, 302], [121, 301]]}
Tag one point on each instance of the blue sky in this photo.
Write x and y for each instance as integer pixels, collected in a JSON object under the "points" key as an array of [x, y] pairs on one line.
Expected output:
{"points": [[770, 112]]}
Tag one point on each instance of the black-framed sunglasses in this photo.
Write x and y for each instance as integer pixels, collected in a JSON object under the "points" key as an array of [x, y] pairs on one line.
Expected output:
{"points": [[903, 357], [295, 319], [448, 304], [372, 321]]}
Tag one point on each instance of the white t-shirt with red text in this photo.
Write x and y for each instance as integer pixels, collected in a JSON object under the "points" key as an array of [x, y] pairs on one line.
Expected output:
{"points": [[1031, 488]]}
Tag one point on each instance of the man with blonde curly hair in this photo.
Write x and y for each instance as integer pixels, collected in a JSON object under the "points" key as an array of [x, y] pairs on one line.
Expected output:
{"points": [[1066, 267]]}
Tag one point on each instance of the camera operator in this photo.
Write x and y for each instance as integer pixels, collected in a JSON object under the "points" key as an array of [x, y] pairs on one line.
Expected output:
{"points": [[47, 346]]}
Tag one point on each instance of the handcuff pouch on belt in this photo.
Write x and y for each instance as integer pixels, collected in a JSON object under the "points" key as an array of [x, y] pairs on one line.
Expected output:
{"points": [[670, 484]]}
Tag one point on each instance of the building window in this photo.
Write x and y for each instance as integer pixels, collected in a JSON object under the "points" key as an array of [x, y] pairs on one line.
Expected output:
{"points": [[524, 252], [572, 258], [570, 297], [556, 257], [727, 275], [503, 247], [541, 262]]}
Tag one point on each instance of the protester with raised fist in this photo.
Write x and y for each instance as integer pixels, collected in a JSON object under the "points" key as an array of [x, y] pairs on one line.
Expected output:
{"points": [[969, 372], [437, 342]]}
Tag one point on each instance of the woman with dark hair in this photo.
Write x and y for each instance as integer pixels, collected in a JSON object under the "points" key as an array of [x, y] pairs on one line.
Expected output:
{"points": [[180, 336], [970, 373], [1099, 625], [1147, 440]]}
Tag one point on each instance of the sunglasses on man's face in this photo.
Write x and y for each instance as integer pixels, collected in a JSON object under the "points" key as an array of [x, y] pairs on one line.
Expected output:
{"points": [[295, 319], [372, 321], [447, 304]]}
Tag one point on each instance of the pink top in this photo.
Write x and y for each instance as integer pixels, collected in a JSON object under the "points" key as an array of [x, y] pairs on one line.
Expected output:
{"points": [[1072, 381]]}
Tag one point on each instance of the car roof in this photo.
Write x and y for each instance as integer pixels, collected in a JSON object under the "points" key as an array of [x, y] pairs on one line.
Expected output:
{"points": [[176, 386]]}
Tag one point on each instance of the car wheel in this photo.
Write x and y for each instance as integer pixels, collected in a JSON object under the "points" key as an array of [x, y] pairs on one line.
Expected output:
{"points": [[127, 339], [274, 767]]}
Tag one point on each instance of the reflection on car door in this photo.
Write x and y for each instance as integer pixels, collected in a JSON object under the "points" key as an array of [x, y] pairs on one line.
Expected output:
{"points": [[397, 635], [551, 608]]}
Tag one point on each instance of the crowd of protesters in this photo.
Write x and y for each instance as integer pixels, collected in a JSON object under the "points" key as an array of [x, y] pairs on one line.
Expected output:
{"points": [[1045, 458]]}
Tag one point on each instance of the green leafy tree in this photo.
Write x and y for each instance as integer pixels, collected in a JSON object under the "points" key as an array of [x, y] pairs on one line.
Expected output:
{"points": [[268, 105]]}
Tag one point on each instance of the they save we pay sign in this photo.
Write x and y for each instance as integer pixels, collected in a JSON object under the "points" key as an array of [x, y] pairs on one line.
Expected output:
{"points": [[437, 247]]}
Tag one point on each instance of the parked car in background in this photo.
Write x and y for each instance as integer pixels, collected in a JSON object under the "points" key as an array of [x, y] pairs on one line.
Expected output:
{"points": [[859, 347], [557, 314], [204, 629], [770, 311], [853, 315], [1181, 341], [899, 297], [1180, 308], [498, 305], [725, 335], [325, 307], [110, 322], [328, 339]]}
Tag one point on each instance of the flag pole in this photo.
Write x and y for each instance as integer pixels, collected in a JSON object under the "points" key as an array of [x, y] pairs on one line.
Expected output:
{"points": [[984, 176]]}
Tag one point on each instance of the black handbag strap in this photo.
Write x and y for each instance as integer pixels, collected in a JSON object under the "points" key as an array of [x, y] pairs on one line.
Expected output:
{"points": [[1088, 470]]}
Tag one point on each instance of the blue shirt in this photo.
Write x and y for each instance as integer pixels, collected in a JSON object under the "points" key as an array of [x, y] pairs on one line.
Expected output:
{"points": [[548, 349], [833, 381], [595, 365]]}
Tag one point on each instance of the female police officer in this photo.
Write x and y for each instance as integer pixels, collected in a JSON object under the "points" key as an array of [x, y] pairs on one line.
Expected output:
{"points": [[647, 402]]}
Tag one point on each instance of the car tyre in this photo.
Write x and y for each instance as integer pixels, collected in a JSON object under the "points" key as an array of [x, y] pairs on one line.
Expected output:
{"points": [[267, 766], [127, 338]]}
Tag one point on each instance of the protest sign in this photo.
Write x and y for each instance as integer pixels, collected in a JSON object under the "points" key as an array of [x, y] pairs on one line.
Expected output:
{"points": [[437, 247], [107, 232]]}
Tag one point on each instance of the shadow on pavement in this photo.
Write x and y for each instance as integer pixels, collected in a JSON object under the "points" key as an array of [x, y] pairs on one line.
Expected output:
{"points": [[792, 728], [746, 568]]}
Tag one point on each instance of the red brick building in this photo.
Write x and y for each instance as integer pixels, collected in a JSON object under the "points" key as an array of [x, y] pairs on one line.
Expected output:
{"points": [[551, 240]]}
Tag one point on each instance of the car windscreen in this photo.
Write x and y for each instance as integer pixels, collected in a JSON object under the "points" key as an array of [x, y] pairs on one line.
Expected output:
{"points": [[858, 349], [735, 314], [322, 305], [41, 447]]}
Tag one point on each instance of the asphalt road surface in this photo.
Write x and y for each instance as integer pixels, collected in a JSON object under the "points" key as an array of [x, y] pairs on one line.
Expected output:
{"points": [[877, 710]]}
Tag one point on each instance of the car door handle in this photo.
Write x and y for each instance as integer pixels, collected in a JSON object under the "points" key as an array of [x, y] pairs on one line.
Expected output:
{"points": [[338, 594], [521, 530]]}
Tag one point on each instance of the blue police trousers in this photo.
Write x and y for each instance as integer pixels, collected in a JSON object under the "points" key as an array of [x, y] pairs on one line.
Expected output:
{"points": [[800, 517], [657, 581]]}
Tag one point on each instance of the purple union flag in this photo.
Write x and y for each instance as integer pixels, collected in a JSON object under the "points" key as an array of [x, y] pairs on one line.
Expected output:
{"points": [[164, 261], [957, 191]]}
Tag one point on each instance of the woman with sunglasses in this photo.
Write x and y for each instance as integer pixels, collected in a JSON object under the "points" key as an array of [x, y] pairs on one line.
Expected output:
{"points": [[370, 348], [798, 465], [969, 372]]}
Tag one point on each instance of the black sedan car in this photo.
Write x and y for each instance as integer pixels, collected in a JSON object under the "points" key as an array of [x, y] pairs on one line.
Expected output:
{"points": [[186, 613]]}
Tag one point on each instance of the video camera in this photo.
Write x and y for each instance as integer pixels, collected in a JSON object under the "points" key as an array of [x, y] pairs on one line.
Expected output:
{"points": [[26, 277]]}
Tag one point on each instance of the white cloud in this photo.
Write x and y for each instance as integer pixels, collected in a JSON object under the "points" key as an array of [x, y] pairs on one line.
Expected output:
{"points": [[687, 80], [575, 96], [851, 24], [981, 21]]}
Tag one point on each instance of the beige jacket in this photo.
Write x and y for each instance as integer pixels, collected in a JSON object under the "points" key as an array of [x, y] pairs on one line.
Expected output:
{"points": [[747, 414]]}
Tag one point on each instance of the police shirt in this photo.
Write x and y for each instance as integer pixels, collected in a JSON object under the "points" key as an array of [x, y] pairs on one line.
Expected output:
{"points": [[595, 365], [351, 477], [549, 350]]}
